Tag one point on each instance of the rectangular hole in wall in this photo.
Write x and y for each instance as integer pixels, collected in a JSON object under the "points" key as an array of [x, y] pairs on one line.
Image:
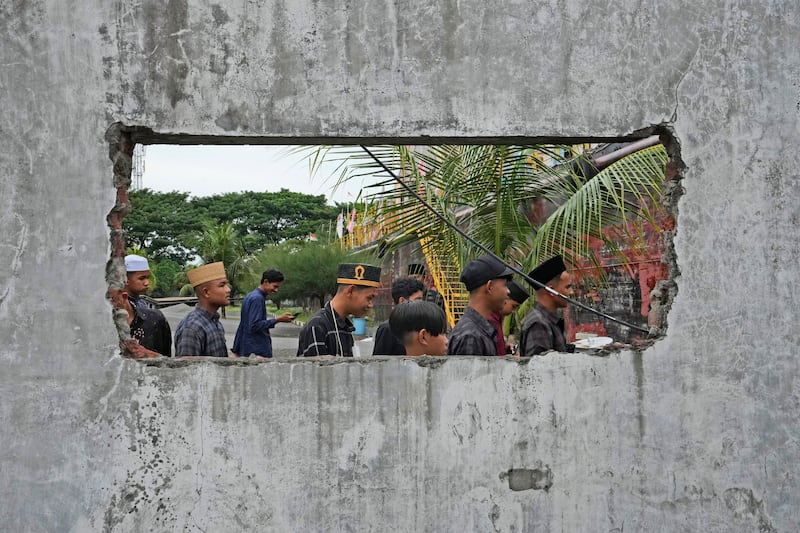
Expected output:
{"points": [[505, 195]]}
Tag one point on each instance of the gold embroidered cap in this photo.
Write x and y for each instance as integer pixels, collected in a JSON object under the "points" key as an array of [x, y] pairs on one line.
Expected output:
{"points": [[198, 276], [359, 274]]}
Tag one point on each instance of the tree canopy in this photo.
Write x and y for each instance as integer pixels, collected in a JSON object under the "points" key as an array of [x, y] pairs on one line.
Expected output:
{"points": [[171, 225]]}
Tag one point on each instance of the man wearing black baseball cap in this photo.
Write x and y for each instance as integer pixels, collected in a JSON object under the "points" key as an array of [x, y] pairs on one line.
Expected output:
{"points": [[485, 278], [543, 329]]}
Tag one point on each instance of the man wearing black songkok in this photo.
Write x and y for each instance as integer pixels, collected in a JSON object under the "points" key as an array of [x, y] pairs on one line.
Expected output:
{"points": [[330, 331], [543, 329]]}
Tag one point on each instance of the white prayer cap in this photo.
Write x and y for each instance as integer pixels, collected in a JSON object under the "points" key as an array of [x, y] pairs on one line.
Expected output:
{"points": [[136, 263]]}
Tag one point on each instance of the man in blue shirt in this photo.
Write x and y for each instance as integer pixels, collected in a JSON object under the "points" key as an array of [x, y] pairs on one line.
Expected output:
{"points": [[252, 336]]}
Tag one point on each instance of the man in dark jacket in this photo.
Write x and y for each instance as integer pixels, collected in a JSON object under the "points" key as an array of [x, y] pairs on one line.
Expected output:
{"points": [[403, 290], [543, 329], [485, 278]]}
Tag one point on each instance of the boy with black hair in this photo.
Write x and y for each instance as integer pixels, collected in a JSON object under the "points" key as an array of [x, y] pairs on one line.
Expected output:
{"points": [[421, 326], [403, 290], [252, 335]]}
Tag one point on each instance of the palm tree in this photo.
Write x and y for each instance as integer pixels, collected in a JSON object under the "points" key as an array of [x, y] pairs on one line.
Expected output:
{"points": [[486, 190]]}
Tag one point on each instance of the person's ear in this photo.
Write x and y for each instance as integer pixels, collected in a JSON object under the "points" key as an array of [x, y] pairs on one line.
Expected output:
{"points": [[422, 337]]}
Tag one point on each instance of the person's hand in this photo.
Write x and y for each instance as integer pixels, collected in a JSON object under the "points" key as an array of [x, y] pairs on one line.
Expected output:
{"points": [[285, 317]]}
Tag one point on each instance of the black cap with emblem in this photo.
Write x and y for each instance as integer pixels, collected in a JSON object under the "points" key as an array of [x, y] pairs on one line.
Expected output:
{"points": [[359, 274]]}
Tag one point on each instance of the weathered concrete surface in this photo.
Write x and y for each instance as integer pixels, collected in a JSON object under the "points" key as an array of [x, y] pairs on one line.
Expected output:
{"points": [[698, 433]]}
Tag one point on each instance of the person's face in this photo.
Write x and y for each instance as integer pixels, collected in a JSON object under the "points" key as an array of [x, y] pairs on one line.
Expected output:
{"points": [[564, 286], [271, 287], [510, 306], [434, 344], [360, 300], [497, 291], [138, 282], [218, 292], [416, 296]]}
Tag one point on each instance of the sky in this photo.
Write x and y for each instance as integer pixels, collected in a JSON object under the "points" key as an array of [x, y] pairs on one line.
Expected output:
{"points": [[204, 170]]}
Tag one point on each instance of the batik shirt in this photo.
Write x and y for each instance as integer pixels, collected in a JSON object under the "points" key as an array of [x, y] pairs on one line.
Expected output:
{"points": [[542, 331], [200, 333], [151, 329], [325, 335], [473, 335]]}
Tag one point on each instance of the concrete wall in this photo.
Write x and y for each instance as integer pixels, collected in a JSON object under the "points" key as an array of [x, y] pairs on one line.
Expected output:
{"points": [[697, 433]]}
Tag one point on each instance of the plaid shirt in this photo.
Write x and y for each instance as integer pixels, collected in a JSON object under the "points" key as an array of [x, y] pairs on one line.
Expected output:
{"points": [[200, 333], [473, 335], [542, 331], [322, 336]]}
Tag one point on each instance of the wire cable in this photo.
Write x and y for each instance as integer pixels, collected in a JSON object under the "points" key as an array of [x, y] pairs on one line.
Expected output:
{"points": [[531, 281]]}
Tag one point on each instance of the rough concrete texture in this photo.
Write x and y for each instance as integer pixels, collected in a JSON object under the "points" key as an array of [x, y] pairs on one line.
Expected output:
{"points": [[697, 433]]}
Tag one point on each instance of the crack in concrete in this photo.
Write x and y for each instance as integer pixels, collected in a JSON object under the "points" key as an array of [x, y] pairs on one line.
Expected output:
{"points": [[199, 477], [22, 245], [674, 116]]}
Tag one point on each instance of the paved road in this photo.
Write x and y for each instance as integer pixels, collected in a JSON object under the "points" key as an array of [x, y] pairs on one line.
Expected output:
{"points": [[284, 336]]}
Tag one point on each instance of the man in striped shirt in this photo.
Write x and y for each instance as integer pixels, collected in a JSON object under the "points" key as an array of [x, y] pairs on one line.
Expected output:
{"points": [[330, 331]]}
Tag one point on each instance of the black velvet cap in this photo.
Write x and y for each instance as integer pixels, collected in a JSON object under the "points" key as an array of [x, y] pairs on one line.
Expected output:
{"points": [[359, 274], [517, 292], [547, 271], [416, 269], [483, 269]]}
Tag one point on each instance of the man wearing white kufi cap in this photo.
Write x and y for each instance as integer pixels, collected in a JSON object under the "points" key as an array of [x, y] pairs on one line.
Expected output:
{"points": [[148, 326], [138, 282], [200, 332]]}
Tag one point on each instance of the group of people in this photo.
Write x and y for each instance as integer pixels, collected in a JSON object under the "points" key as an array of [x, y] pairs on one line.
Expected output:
{"points": [[416, 326]]}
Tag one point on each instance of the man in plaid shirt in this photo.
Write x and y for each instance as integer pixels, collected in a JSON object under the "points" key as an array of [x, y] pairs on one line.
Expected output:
{"points": [[200, 332]]}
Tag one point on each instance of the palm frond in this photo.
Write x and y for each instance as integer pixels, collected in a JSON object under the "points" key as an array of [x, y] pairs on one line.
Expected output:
{"points": [[620, 196]]}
